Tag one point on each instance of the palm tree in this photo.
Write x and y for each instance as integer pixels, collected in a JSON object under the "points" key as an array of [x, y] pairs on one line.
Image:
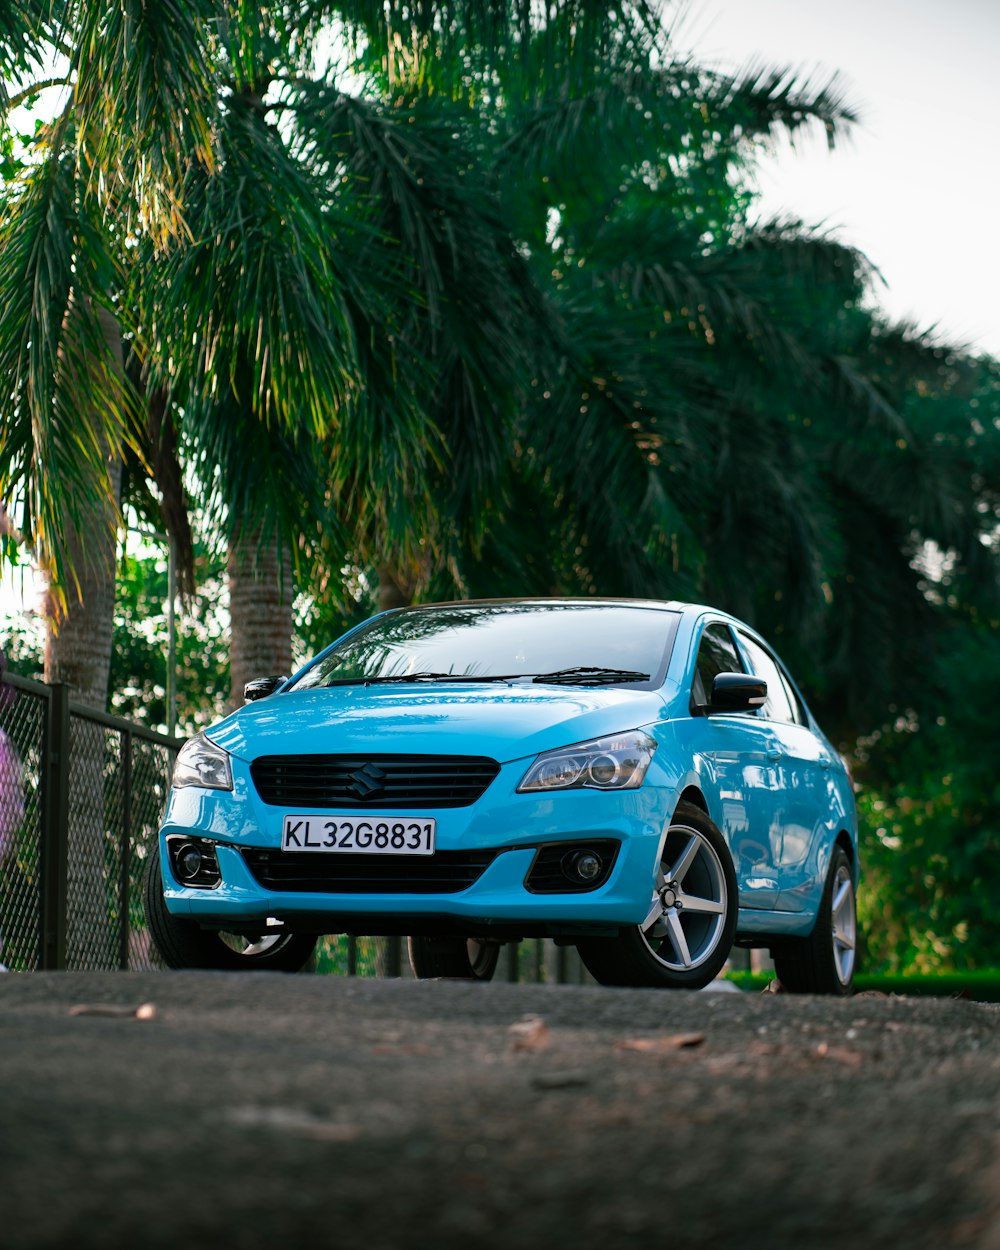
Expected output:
{"points": [[712, 408], [578, 116], [106, 167], [161, 200], [509, 278]]}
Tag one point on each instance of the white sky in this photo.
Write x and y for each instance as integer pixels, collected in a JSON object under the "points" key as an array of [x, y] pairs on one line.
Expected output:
{"points": [[917, 189]]}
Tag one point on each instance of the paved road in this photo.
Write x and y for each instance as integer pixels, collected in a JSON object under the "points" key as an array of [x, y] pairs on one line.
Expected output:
{"points": [[259, 1111]]}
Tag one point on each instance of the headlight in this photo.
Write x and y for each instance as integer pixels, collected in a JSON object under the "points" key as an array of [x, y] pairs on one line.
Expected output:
{"points": [[618, 762], [201, 763]]}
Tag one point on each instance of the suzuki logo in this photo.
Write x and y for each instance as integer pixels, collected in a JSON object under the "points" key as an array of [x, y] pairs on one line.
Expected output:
{"points": [[366, 782]]}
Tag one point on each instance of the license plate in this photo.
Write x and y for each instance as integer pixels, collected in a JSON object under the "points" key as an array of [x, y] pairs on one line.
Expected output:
{"points": [[358, 835]]}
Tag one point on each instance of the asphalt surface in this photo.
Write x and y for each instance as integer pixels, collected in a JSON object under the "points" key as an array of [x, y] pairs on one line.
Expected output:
{"points": [[250, 1110]]}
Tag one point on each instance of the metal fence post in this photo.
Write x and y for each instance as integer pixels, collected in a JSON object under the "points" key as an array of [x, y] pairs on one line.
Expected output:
{"points": [[125, 866], [55, 828], [393, 957]]}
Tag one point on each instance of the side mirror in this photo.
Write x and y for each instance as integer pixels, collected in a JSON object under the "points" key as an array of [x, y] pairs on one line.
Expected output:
{"points": [[261, 687], [737, 692]]}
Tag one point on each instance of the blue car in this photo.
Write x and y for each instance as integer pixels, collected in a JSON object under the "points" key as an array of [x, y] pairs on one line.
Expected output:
{"points": [[640, 779]]}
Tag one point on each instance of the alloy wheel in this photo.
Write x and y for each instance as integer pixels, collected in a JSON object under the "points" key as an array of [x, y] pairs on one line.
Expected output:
{"points": [[253, 947], [687, 916], [844, 923]]}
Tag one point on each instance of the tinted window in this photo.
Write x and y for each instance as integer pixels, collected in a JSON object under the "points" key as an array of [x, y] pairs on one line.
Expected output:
{"points": [[502, 639], [778, 705], [716, 654], [798, 707]]}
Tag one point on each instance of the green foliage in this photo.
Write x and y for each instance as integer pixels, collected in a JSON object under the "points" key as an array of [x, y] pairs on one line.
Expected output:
{"points": [[51, 339], [138, 681], [931, 815], [982, 986], [23, 645], [343, 956]]}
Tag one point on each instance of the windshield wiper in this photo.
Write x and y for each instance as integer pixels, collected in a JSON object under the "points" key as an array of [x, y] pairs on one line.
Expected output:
{"points": [[591, 675], [371, 681], [404, 677], [585, 675]]}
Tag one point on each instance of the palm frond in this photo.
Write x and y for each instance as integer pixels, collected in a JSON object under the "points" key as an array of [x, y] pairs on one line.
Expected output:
{"points": [[764, 102], [67, 406], [24, 25], [145, 96], [273, 476], [466, 304], [458, 48], [250, 303]]}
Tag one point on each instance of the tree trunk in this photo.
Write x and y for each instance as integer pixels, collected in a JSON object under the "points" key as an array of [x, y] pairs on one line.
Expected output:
{"points": [[78, 652], [394, 589], [260, 610], [78, 646]]}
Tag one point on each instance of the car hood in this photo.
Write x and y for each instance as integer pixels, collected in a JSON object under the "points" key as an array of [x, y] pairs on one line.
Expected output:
{"points": [[502, 722]]}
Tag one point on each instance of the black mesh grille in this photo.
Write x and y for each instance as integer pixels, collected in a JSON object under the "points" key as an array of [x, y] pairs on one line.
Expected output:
{"points": [[314, 782], [445, 872]]}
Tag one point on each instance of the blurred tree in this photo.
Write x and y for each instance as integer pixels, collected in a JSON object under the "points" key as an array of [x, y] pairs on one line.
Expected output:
{"points": [[931, 812], [699, 407], [138, 679], [139, 659]]}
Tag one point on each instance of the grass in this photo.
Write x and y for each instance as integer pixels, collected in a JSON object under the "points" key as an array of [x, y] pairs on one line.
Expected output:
{"points": [[981, 987]]}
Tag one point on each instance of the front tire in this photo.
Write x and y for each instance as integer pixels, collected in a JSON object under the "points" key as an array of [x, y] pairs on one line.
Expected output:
{"points": [[824, 962], [465, 959], [686, 938], [184, 944]]}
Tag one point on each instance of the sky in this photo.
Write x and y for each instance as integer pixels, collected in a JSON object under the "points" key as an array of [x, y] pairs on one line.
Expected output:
{"points": [[917, 187]]}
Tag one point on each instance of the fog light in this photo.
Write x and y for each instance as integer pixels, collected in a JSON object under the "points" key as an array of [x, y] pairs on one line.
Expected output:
{"points": [[189, 861], [582, 866], [194, 863]]}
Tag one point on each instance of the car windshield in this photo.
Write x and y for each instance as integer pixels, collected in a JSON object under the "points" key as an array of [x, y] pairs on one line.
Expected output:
{"points": [[565, 643]]}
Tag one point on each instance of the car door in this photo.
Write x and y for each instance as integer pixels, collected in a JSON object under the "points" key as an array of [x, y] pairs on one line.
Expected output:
{"points": [[803, 796], [733, 753]]}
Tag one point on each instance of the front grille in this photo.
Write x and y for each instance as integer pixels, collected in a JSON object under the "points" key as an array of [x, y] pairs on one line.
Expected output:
{"points": [[393, 782], [444, 872]]}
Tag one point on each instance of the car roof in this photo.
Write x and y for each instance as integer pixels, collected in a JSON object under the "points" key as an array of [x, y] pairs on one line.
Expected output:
{"points": [[669, 605]]}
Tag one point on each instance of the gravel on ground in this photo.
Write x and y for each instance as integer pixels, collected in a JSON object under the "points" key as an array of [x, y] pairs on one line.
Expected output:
{"points": [[148, 1110]]}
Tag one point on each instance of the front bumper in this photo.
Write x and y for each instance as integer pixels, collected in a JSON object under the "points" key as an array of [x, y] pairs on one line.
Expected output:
{"points": [[499, 901]]}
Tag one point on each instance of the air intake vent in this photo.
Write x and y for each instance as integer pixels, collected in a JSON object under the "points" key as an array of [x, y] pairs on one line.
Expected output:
{"points": [[446, 872], [392, 782]]}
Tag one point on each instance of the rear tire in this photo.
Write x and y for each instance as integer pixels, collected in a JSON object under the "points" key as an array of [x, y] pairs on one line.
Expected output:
{"points": [[824, 962], [465, 959], [686, 938], [184, 944]]}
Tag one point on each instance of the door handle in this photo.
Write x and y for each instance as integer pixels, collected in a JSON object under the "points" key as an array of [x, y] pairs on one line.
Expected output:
{"points": [[774, 754], [825, 761]]}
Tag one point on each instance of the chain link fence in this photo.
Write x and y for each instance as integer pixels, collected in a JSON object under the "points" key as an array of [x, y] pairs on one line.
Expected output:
{"points": [[81, 795], [81, 798]]}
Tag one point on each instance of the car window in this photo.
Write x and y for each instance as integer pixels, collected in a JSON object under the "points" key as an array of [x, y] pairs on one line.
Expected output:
{"points": [[779, 705], [717, 653], [799, 714], [488, 640]]}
